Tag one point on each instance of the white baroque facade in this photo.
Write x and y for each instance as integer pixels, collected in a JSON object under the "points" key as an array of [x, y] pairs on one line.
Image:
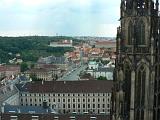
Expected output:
{"points": [[102, 72], [69, 97], [70, 102]]}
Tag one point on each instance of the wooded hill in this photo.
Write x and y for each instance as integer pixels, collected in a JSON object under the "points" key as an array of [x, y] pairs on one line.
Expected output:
{"points": [[31, 48]]}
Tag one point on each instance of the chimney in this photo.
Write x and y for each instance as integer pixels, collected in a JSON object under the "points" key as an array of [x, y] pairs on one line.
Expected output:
{"points": [[19, 111], [64, 82], [2, 108], [47, 110], [42, 82], [11, 87]]}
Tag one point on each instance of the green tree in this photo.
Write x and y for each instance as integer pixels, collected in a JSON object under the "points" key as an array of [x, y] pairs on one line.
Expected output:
{"points": [[101, 78], [34, 78], [32, 65], [31, 47], [24, 67], [56, 77]]}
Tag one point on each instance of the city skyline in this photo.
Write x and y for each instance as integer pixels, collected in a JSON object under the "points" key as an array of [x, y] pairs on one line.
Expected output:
{"points": [[59, 17]]}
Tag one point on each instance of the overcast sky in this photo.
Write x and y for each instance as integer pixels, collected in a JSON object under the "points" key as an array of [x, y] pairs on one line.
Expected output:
{"points": [[62, 17]]}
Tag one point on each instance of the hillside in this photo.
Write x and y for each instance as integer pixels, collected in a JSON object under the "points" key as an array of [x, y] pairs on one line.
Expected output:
{"points": [[30, 48]]}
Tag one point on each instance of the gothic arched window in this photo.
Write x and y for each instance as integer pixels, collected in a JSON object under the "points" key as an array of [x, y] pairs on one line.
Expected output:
{"points": [[129, 4], [130, 33], [127, 87], [140, 33], [140, 93]]}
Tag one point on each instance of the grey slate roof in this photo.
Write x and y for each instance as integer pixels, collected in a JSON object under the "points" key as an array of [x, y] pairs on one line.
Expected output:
{"points": [[26, 109], [23, 78], [58, 60], [52, 60]]}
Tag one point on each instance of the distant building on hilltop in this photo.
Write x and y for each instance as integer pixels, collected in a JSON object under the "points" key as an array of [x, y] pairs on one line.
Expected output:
{"points": [[110, 45], [64, 43]]}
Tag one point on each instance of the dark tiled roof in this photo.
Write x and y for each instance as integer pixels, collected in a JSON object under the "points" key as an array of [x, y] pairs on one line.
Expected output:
{"points": [[67, 87], [58, 60], [51, 117], [86, 77], [53, 60], [23, 78]]}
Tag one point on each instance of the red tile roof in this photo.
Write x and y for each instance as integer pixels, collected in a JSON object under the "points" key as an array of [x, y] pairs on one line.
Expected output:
{"points": [[106, 43], [10, 68], [2, 69], [94, 86]]}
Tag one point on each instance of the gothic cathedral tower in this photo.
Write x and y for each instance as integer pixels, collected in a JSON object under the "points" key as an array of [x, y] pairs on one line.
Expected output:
{"points": [[136, 93]]}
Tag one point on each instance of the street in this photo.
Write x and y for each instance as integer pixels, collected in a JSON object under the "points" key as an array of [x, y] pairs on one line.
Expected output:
{"points": [[73, 74]]}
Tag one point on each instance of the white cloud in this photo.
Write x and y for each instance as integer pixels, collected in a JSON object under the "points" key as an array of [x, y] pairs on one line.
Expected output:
{"points": [[7, 3], [82, 17], [26, 33], [107, 30]]}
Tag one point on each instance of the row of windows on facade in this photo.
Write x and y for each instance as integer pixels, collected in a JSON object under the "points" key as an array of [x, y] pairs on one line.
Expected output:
{"points": [[93, 94], [78, 105], [69, 100], [89, 111]]}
